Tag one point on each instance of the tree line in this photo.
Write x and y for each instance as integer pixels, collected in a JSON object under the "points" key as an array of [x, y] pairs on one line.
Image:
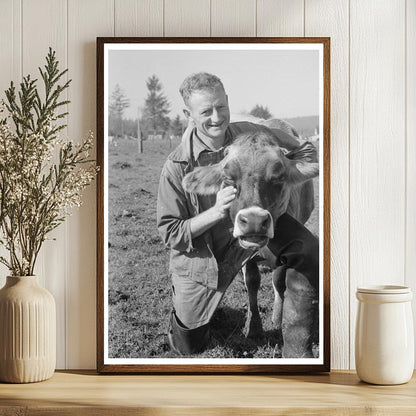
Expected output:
{"points": [[153, 120]]}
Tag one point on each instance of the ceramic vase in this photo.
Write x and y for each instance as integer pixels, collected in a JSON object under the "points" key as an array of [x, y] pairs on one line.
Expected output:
{"points": [[27, 331], [384, 342]]}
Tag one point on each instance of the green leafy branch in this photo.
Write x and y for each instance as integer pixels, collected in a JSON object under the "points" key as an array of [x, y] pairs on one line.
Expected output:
{"points": [[35, 193]]}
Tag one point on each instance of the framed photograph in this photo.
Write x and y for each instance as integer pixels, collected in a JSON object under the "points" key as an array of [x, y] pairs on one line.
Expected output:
{"points": [[213, 217]]}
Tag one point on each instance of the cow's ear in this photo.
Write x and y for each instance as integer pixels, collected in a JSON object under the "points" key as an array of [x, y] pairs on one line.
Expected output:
{"points": [[302, 171], [204, 180]]}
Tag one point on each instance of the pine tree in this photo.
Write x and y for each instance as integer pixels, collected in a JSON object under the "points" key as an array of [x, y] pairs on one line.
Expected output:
{"points": [[177, 126], [261, 112], [118, 103], [155, 118]]}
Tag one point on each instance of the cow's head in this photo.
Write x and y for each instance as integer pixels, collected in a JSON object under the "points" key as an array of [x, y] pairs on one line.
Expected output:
{"points": [[264, 178]]}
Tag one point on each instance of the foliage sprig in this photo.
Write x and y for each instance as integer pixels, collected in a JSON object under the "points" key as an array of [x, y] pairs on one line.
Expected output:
{"points": [[41, 175]]}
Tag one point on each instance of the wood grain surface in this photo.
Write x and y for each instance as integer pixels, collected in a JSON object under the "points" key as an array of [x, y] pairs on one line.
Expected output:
{"points": [[377, 222], [410, 260], [280, 18], [82, 393], [330, 18], [233, 18], [138, 17], [85, 18], [187, 18], [51, 265]]}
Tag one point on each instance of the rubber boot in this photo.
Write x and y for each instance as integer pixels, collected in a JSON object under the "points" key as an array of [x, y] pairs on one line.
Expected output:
{"points": [[300, 320], [184, 341]]}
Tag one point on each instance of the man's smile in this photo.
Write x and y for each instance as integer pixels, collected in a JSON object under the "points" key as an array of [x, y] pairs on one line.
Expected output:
{"points": [[216, 124]]}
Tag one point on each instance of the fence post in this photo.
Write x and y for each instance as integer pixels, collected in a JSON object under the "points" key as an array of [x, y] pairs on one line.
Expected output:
{"points": [[139, 133]]}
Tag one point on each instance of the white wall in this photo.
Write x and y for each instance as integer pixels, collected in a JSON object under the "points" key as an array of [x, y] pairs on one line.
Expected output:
{"points": [[373, 132]]}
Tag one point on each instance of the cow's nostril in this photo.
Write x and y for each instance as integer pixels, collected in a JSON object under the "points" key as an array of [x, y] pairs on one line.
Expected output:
{"points": [[265, 223]]}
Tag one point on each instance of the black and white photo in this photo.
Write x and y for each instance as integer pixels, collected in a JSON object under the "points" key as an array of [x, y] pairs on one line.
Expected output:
{"points": [[213, 205]]}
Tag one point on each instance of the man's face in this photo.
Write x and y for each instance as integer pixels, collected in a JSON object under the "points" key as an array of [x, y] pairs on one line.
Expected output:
{"points": [[210, 113]]}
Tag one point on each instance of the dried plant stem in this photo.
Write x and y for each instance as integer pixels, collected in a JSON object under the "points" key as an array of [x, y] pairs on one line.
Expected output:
{"points": [[36, 194]]}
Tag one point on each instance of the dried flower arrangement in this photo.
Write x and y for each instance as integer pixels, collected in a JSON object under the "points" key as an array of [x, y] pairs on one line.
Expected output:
{"points": [[42, 176]]}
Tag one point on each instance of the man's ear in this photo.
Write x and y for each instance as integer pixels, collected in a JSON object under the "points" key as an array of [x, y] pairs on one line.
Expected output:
{"points": [[186, 112], [205, 180]]}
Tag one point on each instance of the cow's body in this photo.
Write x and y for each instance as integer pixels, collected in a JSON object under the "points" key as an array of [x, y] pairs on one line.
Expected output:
{"points": [[271, 123], [277, 123], [269, 183]]}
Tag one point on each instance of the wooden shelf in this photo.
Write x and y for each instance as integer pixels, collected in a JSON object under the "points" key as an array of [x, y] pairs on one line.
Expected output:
{"points": [[86, 393]]}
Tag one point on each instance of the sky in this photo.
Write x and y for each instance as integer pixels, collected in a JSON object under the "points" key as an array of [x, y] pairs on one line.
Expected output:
{"points": [[286, 81]]}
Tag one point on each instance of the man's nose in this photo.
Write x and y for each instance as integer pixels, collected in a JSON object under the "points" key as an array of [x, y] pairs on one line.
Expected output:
{"points": [[215, 115]]}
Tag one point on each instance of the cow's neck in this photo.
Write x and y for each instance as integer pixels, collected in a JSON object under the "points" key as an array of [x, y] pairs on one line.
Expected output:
{"points": [[213, 144]]}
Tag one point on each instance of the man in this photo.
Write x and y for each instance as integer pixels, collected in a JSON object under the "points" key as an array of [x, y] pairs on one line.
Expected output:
{"points": [[204, 257]]}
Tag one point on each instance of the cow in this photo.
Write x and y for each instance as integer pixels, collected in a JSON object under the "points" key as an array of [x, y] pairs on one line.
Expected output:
{"points": [[271, 123], [276, 123], [269, 183]]}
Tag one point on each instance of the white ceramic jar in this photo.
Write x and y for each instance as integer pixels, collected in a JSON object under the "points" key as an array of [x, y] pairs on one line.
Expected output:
{"points": [[384, 338]]}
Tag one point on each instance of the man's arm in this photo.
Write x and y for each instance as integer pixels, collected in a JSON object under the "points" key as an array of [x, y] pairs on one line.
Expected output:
{"points": [[176, 227], [204, 221]]}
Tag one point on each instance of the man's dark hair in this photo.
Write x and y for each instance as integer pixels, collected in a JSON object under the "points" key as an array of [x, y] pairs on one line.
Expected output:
{"points": [[201, 81]]}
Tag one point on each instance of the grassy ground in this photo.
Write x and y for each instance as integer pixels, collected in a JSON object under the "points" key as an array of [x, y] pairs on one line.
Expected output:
{"points": [[139, 285]]}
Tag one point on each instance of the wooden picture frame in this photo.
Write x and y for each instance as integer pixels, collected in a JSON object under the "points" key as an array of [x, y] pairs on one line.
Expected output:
{"points": [[133, 284]]}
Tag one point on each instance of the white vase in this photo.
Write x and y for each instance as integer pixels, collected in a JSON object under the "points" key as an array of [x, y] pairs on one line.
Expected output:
{"points": [[384, 341], [27, 331]]}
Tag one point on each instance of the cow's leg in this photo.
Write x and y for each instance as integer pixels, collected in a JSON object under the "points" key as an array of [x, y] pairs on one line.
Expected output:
{"points": [[279, 287], [300, 316], [253, 327]]}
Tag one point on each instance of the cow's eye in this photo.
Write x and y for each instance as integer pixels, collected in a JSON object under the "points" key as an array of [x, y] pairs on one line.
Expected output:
{"points": [[279, 178]]}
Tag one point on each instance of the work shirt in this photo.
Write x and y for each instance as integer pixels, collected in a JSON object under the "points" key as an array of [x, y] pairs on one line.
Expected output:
{"points": [[197, 258]]}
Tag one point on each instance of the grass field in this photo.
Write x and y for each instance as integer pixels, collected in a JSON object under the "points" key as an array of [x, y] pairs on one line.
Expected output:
{"points": [[139, 285]]}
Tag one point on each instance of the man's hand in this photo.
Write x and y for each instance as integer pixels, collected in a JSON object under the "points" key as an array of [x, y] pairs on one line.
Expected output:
{"points": [[224, 198], [208, 218]]}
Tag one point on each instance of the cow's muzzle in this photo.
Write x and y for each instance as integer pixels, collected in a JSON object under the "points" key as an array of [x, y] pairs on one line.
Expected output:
{"points": [[253, 227]]}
